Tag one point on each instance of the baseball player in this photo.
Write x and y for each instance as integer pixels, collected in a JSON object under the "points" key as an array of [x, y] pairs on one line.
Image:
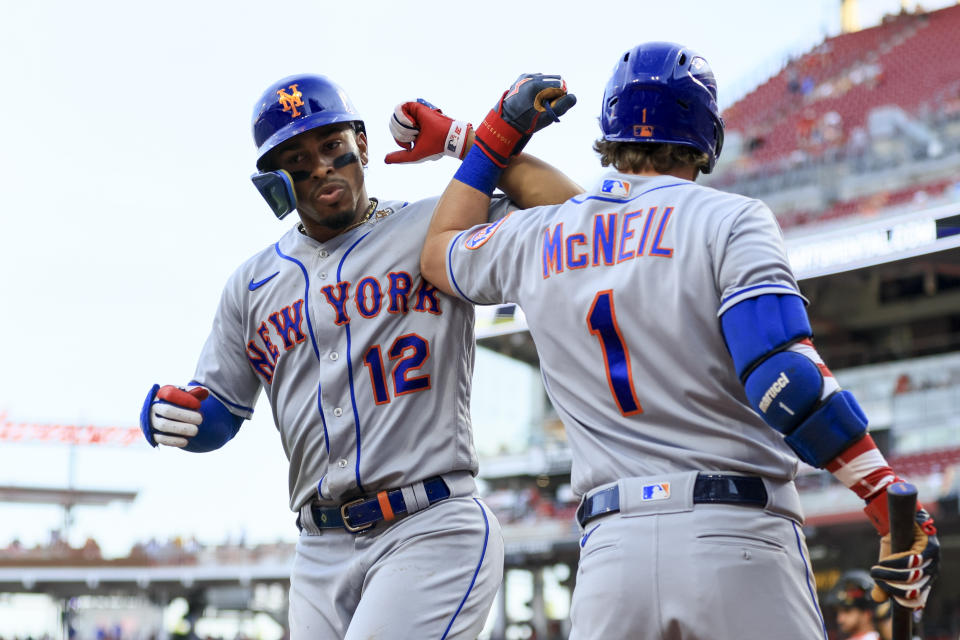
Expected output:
{"points": [[367, 369], [854, 606], [675, 346]]}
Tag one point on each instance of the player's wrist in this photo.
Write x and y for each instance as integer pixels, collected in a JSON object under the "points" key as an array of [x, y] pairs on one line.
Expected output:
{"points": [[458, 134], [479, 171], [499, 139], [877, 509]]}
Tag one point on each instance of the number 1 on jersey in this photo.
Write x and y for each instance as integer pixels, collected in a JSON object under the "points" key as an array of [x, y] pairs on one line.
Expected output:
{"points": [[602, 321]]}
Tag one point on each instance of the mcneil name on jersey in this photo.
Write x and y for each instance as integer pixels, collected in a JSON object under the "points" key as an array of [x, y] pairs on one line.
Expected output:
{"points": [[613, 238], [368, 298]]}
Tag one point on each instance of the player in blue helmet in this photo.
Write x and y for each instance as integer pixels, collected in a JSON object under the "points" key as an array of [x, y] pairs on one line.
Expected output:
{"points": [[665, 96], [367, 369], [675, 346]]}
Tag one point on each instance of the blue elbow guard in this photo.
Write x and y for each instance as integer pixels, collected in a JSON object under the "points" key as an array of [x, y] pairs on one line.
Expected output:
{"points": [[829, 431], [783, 386], [217, 429], [784, 389], [758, 326]]}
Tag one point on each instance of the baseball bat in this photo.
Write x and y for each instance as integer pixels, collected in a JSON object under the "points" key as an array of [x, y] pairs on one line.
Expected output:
{"points": [[902, 505]]}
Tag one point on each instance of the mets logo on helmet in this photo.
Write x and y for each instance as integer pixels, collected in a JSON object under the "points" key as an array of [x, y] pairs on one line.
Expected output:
{"points": [[291, 101]]}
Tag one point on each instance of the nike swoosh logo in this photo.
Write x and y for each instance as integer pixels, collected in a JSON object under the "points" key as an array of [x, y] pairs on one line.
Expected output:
{"points": [[253, 286]]}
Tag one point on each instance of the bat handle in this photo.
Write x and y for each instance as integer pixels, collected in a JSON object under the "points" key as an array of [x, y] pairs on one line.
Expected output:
{"points": [[902, 506]]}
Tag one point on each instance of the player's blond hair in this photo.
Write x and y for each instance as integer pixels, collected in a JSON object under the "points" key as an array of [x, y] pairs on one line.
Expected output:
{"points": [[633, 157]]}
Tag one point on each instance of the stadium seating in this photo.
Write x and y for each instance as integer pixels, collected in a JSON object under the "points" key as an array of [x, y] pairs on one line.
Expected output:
{"points": [[827, 107]]}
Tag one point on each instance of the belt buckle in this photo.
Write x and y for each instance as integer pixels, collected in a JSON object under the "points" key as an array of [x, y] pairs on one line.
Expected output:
{"points": [[346, 519]]}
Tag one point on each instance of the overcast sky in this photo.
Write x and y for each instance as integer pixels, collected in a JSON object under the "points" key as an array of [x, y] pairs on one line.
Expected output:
{"points": [[125, 155]]}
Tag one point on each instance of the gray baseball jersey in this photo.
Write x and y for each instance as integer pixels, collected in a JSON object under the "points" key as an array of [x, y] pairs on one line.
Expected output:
{"points": [[622, 288], [367, 367]]}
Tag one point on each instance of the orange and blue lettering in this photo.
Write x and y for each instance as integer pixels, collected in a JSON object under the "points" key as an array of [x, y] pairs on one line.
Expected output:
{"points": [[553, 251], [656, 249], [368, 288], [264, 334], [580, 261], [646, 230], [604, 237], [260, 362], [292, 320], [427, 299], [625, 234], [338, 302], [400, 283]]}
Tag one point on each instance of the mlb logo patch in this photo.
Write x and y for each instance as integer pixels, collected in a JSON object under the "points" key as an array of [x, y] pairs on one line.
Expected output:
{"points": [[657, 491], [616, 188]]}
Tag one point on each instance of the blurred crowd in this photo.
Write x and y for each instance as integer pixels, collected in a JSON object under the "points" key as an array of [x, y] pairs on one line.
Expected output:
{"points": [[174, 551]]}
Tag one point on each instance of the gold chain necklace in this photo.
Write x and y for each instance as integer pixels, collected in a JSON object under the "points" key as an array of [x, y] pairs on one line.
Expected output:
{"points": [[366, 216]]}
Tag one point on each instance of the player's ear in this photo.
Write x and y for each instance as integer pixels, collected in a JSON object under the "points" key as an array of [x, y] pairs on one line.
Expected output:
{"points": [[362, 147]]}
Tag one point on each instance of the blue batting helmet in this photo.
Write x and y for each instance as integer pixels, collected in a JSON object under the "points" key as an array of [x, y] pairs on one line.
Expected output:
{"points": [[296, 104], [663, 92]]}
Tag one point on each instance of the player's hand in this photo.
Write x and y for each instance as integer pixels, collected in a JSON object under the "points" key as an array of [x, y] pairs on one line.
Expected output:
{"points": [[907, 576], [425, 133], [530, 104], [171, 414]]}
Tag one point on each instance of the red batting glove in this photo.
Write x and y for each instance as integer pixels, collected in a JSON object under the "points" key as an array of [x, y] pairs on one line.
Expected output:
{"points": [[425, 133]]}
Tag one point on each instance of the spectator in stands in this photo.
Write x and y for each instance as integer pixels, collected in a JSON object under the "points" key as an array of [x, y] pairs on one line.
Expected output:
{"points": [[793, 81], [904, 384], [90, 550]]}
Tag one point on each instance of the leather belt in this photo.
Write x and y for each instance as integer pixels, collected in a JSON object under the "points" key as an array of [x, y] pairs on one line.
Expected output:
{"points": [[363, 513], [708, 488]]}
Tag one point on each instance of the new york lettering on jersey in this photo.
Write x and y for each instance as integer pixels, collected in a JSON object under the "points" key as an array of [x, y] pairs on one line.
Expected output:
{"points": [[368, 298]]}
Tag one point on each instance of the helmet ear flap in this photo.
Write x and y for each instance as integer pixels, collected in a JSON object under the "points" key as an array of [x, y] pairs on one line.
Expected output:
{"points": [[276, 187], [718, 136]]}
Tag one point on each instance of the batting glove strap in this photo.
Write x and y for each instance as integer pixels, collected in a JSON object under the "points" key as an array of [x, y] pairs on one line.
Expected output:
{"points": [[908, 576], [498, 139]]}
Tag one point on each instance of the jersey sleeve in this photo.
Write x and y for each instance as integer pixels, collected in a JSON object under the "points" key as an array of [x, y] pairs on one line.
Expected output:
{"points": [[750, 258], [223, 367], [500, 207], [484, 263]]}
